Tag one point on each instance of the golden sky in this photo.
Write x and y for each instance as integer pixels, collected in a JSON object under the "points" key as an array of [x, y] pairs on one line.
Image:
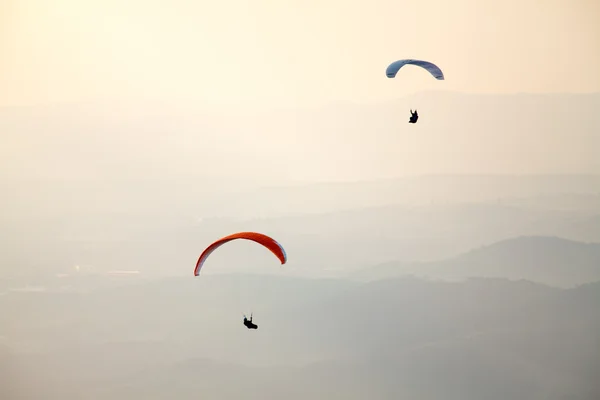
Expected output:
{"points": [[291, 51]]}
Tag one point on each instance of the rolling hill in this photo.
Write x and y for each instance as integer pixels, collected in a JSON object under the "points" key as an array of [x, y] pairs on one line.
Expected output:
{"points": [[483, 338], [550, 260]]}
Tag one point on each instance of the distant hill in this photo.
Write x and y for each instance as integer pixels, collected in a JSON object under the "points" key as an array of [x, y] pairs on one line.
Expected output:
{"points": [[584, 203], [168, 242], [542, 191], [363, 237], [550, 260], [483, 338], [584, 229]]}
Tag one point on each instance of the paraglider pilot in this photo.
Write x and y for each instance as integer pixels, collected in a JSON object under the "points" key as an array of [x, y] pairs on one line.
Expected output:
{"points": [[414, 116], [249, 324]]}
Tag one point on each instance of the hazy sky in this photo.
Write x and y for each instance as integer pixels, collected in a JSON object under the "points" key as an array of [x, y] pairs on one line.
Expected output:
{"points": [[270, 51]]}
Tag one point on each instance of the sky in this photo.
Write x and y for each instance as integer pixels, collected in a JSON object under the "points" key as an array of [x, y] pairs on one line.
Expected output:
{"points": [[187, 57], [265, 52]]}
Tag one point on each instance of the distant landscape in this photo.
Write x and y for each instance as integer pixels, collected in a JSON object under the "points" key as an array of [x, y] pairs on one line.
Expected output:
{"points": [[487, 283], [175, 337]]}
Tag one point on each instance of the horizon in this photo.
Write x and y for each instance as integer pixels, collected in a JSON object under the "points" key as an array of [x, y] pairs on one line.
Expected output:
{"points": [[173, 102]]}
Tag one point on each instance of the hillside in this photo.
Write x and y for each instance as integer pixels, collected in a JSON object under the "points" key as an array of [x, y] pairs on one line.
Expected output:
{"points": [[550, 260], [323, 244], [484, 338]]}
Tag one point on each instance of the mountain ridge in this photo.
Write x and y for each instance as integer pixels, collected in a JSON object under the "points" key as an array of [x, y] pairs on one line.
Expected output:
{"points": [[545, 259]]}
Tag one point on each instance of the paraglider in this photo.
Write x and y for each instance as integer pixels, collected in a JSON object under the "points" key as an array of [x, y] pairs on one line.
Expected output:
{"points": [[433, 69], [264, 240]]}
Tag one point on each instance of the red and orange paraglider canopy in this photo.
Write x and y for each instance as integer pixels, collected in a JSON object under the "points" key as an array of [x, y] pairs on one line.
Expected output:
{"points": [[259, 238]]}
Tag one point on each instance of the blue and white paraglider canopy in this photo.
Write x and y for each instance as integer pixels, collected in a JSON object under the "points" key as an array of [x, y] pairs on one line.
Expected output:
{"points": [[433, 69]]}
